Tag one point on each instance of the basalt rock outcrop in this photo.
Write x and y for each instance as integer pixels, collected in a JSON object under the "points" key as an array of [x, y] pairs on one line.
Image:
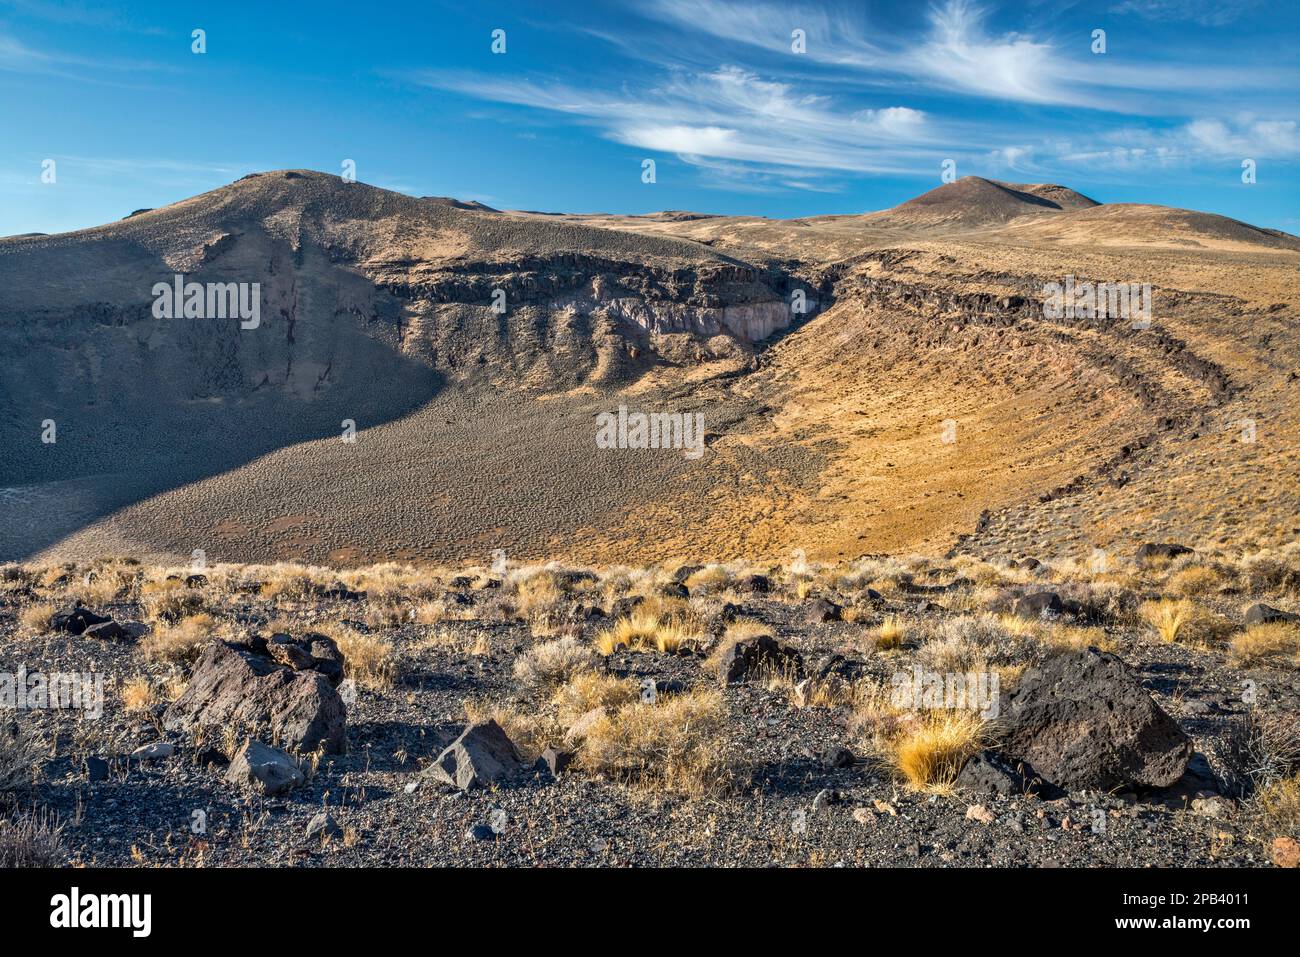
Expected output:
{"points": [[288, 699]]}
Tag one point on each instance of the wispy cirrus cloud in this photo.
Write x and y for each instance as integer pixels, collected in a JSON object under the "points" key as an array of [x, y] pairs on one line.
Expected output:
{"points": [[721, 87]]}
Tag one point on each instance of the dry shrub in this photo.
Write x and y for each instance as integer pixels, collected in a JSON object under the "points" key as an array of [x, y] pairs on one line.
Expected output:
{"points": [[20, 755], [677, 744], [929, 755], [552, 663], [35, 619], [179, 643], [1278, 806], [589, 690], [367, 659], [972, 644], [170, 600], [1260, 749], [1184, 621], [1194, 581], [665, 625], [1268, 572], [32, 839], [1264, 641], [138, 694]]}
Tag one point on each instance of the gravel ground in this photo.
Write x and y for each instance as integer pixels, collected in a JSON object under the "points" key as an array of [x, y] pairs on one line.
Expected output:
{"points": [[789, 806]]}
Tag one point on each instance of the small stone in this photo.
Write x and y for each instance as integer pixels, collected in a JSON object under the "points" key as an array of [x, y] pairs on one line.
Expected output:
{"points": [[480, 832], [323, 825], [155, 751], [1212, 807], [978, 812], [838, 757], [884, 807], [554, 763], [264, 768], [862, 815], [824, 798]]}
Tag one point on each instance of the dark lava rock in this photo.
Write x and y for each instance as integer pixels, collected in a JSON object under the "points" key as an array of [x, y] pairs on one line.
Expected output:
{"points": [[1261, 614], [1038, 605], [990, 773], [674, 590], [743, 658], [76, 620], [821, 610], [106, 631], [838, 757], [554, 762], [96, 769], [239, 687], [1083, 720], [482, 756], [1159, 550], [685, 572], [755, 584]]}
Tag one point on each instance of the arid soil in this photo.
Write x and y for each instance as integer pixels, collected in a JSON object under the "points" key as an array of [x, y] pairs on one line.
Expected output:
{"points": [[767, 770]]}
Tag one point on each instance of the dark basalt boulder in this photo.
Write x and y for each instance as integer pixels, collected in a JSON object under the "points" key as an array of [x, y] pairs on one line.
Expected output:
{"points": [[261, 695], [1084, 721]]}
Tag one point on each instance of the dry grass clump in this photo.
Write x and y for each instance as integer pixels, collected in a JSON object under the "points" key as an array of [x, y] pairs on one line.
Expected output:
{"points": [[180, 642], [138, 694], [368, 659], [286, 582], [589, 690], [665, 625], [925, 748], [32, 839], [1278, 805], [1195, 581], [170, 600], [891, 634], [20, 755], [552, 663], [1184, 621], [710, 578], [101, 585], [677, 744], [1067, 638], [1264, 641], [35, 619], [930, 755]]}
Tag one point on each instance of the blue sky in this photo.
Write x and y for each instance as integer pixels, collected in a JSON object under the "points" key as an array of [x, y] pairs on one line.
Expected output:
{"points": [[736, 121]]}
